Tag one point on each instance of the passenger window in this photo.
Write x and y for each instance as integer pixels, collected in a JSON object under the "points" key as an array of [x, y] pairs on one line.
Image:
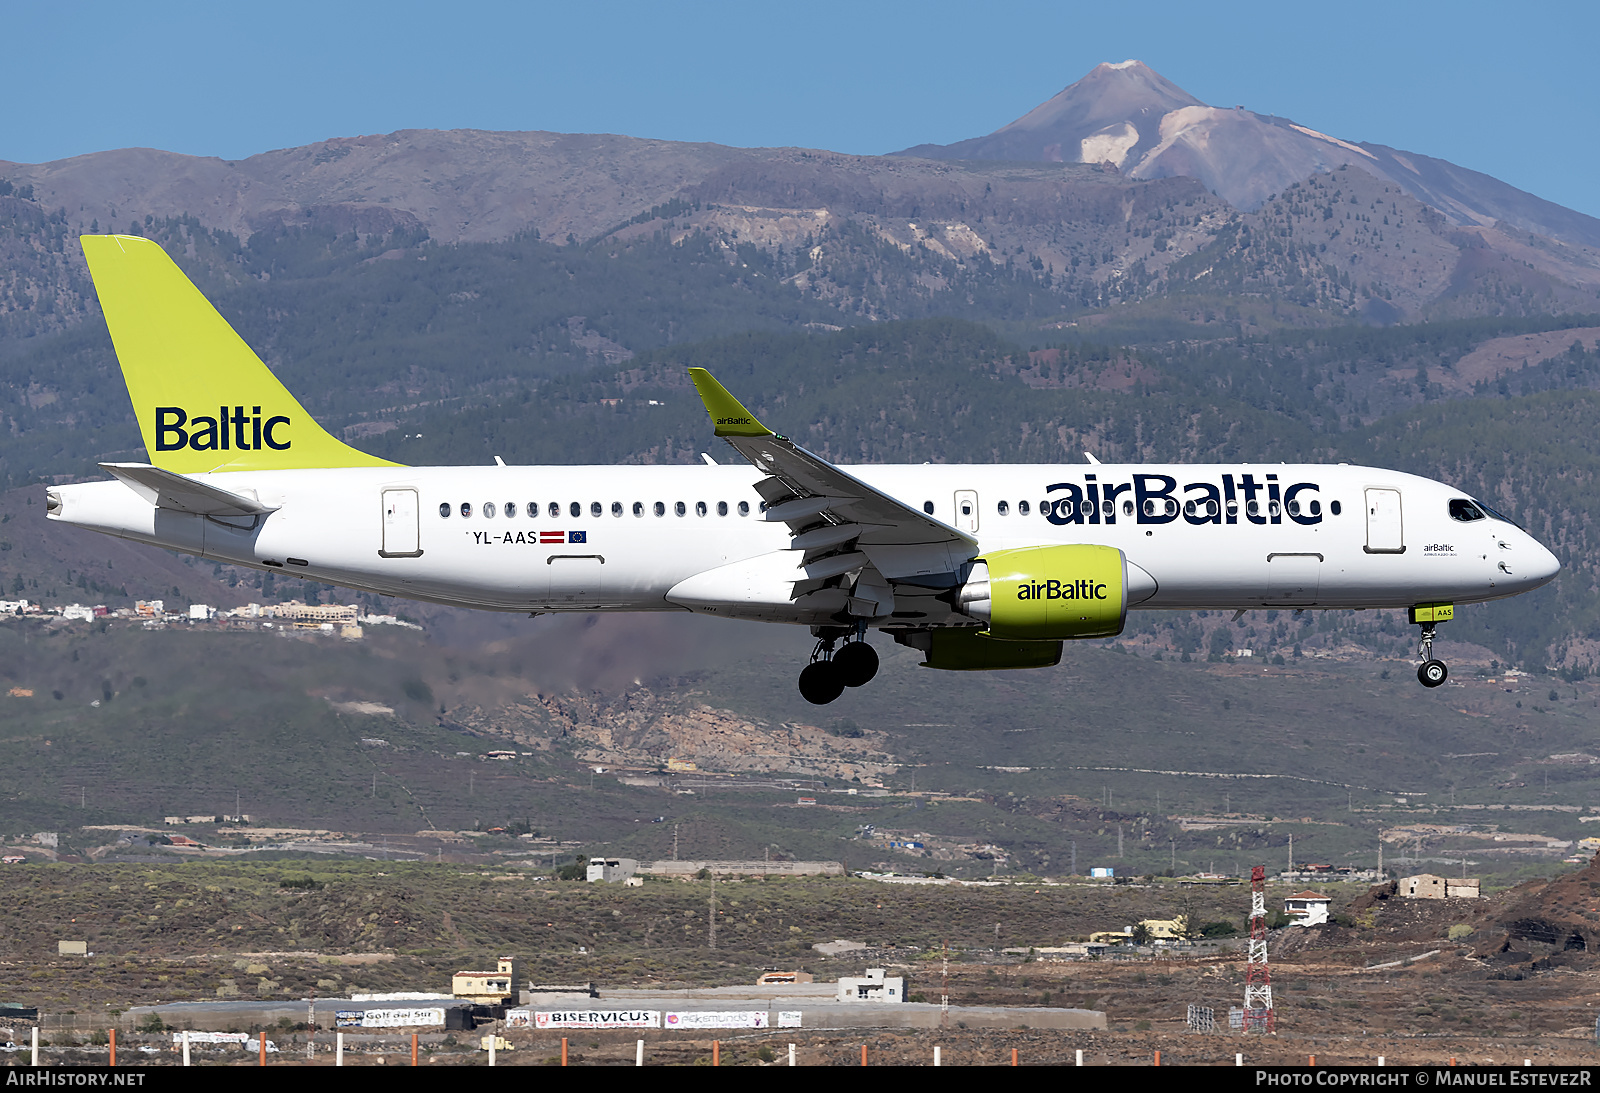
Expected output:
{"points": [[744, 508], [1086, 507], [616, 508], [1108, 507], [511, 509], [722, 508], [1022, 508], [1272, 509], [1316, 508], [488, 510], [554, 510], [660, 509], [1233, 510], [1189, 508], [594, 508], [699, 508], [1211, 506], [1003, 508], [444, 509], [575, 508], [1465, 511], [1127, 508], [1293, 507], [466, 508], [680, 508], [927, 507], [1333, 507], [638, 508], [1149, 506], [1253, 508]]}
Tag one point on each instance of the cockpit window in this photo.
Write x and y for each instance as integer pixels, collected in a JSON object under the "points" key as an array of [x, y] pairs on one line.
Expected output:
{"points": [[1498, 515], [1464, 510]]}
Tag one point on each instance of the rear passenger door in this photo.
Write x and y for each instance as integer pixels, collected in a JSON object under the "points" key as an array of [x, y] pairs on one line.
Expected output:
{"points": [[401, 531]]}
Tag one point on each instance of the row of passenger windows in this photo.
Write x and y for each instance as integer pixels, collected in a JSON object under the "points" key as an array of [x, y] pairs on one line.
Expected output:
{"points": [[510, 509], [1168, 506], [1152, 507]]}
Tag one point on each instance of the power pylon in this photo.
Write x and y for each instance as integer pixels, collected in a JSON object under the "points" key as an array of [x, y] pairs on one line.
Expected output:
{"points": [[1258, 1011]]}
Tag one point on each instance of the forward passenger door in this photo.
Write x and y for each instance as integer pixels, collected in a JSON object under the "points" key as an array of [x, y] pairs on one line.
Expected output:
{"points": [[1385, 526]]}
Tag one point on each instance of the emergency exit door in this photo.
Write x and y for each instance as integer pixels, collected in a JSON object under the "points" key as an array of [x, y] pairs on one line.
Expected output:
{"points": [[967, 510], [401, 534], [1385, 527]]}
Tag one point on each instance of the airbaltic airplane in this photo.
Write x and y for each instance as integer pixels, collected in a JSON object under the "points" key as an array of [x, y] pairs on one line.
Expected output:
{"points": [[979, 567]]}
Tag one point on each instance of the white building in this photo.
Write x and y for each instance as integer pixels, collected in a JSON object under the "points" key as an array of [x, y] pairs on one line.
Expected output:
{"points": [[612, 869], [201, 612], [872, 987], [1307, 908]]}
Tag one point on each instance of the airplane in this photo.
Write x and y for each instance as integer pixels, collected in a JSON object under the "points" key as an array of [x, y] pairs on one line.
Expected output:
{"points": [[979, 567]]}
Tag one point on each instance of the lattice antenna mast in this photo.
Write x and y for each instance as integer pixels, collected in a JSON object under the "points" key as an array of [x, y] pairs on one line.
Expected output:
{"points": [[1258, 1011], [944, 989]]}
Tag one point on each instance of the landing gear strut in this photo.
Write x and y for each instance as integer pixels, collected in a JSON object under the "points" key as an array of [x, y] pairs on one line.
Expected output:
{"points": [[829, 672], [1430, 673]]}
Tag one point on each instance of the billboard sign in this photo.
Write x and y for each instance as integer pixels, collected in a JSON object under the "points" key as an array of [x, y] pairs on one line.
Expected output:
{"points": [[389, 1018], [597, 1019], [697, 1019]]}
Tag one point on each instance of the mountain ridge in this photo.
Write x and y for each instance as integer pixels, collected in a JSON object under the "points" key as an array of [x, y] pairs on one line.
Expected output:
{"points": [[1132, 117]]}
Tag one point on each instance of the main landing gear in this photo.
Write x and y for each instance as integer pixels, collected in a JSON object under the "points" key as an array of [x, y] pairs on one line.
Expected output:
{"points": [[830, 672], [1430, 673]]}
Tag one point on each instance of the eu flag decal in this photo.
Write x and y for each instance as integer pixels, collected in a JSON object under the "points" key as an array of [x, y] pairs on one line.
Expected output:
{"points": [[577, 536]]}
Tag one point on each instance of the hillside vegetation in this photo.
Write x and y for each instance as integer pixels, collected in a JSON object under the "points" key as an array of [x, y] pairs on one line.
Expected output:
{"points": [[543, 353]]}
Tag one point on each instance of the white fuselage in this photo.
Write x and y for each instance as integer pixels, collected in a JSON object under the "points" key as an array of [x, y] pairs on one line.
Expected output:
{"points": [[1316, 536]]}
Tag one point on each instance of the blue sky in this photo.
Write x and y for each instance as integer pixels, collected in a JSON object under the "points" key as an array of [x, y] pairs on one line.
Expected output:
{"points": [[1508, 90]]}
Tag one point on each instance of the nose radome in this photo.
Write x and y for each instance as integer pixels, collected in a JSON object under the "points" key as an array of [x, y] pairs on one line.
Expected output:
{"points": [[1543, 566]]}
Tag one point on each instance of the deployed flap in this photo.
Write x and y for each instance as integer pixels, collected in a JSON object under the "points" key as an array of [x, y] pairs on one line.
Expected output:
{"points": [[806, 492], [166, 490]]}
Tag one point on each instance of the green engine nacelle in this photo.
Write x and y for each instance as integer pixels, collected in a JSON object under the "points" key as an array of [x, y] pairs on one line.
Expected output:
{"points": [[966, 650], [1049, 592]]}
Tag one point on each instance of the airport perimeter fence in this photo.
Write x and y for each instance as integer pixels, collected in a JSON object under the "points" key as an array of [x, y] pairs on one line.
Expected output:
{"points": [[189, 1048]]}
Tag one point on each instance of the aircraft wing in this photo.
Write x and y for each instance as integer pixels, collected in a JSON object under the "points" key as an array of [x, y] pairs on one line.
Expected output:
{"points": [[167, 490], [839, 521]]}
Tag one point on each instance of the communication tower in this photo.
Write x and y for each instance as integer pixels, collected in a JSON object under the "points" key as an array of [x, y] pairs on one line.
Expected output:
{"points": [[1258, 1012]]}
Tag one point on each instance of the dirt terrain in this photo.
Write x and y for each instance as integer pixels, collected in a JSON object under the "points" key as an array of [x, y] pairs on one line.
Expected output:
{"points": [[1484, 982]]}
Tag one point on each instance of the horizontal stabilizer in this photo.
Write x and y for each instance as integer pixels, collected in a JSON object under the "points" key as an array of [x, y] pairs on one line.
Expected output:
{"points": [[166, 490]]}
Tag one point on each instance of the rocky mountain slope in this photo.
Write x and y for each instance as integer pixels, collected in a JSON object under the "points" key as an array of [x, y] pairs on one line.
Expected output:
{"points": [[1092, 200], [1129, 116]]}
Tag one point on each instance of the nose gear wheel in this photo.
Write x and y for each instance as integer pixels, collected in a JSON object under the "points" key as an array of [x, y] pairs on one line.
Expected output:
{"points": [[1430, 673]]}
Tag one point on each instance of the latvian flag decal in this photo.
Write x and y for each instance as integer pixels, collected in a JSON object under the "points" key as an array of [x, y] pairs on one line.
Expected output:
{"points": [[553, 536]]}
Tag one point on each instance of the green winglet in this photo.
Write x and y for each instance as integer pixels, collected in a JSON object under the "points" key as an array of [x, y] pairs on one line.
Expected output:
{"points": [[730, 418]]}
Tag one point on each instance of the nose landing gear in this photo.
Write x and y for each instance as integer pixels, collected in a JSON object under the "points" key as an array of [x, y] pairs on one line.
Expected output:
{"points": [[1431, 673], [829, 673]]}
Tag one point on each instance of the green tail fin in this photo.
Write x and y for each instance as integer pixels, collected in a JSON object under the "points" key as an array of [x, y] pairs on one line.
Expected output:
{"points": [[204, 400]]}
